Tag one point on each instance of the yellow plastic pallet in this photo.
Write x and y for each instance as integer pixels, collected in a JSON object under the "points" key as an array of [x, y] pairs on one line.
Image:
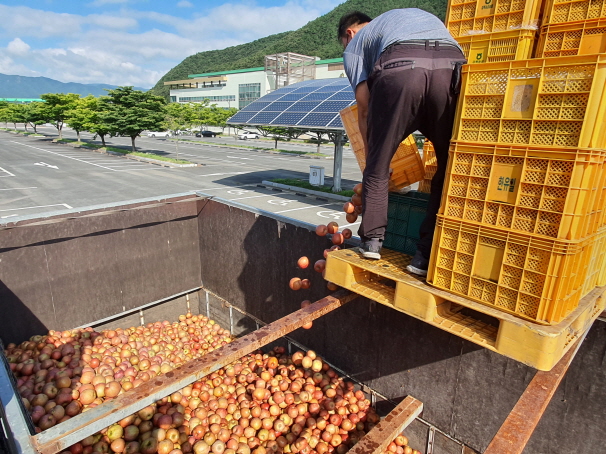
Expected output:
{"points": [[387, 282]]}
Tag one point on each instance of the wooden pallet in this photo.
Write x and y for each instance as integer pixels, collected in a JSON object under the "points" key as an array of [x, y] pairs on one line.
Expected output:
{"points": [[387, 282]]}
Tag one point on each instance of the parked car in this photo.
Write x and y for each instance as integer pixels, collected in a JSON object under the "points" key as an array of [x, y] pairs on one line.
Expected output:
{"points": [[248, 135], [206, 134], [159, 134]]}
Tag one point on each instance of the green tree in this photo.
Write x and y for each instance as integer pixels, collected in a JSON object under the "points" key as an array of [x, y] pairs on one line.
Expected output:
{"points": [[82, 114], [200, 113], [15, 112], [33, 114], [177, 117], [95, 123], [55, 108], [129, 112], [218, 116], [318, 139], [4, 113], [275, 132]]}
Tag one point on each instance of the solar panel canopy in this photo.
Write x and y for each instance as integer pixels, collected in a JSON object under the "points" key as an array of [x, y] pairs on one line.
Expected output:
{"points": [[312, 104]]}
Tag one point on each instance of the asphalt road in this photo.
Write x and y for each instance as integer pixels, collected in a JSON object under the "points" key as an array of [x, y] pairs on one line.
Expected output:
{"points": [[38, 177]]}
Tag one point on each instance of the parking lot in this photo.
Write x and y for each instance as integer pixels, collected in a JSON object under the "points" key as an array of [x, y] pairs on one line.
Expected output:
{"points": [[38, 177]]}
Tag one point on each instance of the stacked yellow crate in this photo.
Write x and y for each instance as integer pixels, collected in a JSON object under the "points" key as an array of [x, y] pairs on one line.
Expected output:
{"points": [[570, 28], [494, 30], [576, 27], [521, 224]]}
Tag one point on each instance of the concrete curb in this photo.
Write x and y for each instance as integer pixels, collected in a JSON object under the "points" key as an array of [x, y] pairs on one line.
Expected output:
{"points": [[122, 155], [303, 191], [150, 160], [260, 150]]}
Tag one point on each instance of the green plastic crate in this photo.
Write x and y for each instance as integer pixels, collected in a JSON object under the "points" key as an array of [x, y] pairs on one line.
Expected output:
{"points": [[405, 213]]}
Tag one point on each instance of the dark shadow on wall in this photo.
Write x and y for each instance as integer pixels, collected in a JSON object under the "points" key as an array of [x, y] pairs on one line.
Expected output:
{"points": [[17, 322]]}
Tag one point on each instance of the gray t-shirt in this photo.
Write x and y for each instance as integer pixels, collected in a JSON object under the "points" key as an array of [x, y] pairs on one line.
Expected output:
{"points": [[391, 27]]}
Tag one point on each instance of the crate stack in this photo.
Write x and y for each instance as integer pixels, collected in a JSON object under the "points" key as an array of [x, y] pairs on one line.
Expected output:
{"points": [[522, 223], [494, 30], [570, 28]]}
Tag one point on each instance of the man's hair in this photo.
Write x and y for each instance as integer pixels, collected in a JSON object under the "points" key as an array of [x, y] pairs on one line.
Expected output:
{"points": [[353, 18]]}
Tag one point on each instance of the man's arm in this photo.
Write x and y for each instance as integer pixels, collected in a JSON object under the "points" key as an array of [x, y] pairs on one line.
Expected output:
{"points": [[362, 98]]}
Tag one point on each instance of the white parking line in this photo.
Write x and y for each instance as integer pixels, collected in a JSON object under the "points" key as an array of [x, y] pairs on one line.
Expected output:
{"points": [[14, 189], [8, 173], [40, 206], [253, 197], [349, 225], [63, 155], [223, 187], [219, 174], [303, 208]]}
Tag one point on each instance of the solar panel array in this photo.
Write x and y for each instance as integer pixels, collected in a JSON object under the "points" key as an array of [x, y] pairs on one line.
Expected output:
{"points": [[313, 104]]}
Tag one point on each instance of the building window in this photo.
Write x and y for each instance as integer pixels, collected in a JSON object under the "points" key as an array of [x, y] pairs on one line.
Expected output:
{"points": [[248, 93], [173, 99], [225, 98], [336, 67]]}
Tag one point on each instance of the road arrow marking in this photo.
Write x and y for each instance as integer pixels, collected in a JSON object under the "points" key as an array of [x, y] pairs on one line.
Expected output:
{"points": [[45, 165]]}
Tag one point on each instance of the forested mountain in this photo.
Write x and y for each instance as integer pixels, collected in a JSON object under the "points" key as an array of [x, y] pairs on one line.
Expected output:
{"points": [[317, 38], [33, 87]]}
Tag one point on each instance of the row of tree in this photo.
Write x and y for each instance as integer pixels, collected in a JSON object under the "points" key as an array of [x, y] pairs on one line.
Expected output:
{"points": [[124, 112]]}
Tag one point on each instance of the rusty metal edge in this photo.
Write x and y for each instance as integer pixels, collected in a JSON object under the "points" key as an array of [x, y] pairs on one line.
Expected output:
{"points": [[382, 434], [62, 436], [518, 427]]}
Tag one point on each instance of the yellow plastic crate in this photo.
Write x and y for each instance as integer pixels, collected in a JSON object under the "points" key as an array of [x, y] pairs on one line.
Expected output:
{"points": [[498, 46], [430, 164], [557, 102], [560, 11], [549, 192], [406, 165], [465, 17], [596, 276], [572, 38], [532, 277]]}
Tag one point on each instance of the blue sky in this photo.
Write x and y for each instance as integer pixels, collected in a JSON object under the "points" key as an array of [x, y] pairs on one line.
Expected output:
{"points": [[134, 42]]}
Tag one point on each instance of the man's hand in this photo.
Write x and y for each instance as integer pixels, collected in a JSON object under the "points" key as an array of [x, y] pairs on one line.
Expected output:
{"points": [[362, 98]]}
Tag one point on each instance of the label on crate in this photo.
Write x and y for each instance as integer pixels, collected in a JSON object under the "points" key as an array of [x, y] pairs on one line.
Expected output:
{"points": [[504, 182], [520, 99], [478, 57], [485, 8]]}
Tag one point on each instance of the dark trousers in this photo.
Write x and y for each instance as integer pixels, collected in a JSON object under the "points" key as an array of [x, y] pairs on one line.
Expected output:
{"points": [[411, 88]]}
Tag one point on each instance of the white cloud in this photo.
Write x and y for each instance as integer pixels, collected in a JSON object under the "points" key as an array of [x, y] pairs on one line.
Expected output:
{"points": [[114, 49], [185, 4], [112, 22], [18, 47], [107, 2]]}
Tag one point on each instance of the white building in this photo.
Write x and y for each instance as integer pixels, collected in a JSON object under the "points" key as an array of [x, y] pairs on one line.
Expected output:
{"points": [[240, 87]]}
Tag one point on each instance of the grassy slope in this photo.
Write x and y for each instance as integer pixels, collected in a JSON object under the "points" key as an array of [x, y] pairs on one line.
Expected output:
{"points": [[317, 38]]}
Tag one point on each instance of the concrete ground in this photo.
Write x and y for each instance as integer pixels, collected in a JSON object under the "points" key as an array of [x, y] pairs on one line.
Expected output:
{"points": [[38, 177]]}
